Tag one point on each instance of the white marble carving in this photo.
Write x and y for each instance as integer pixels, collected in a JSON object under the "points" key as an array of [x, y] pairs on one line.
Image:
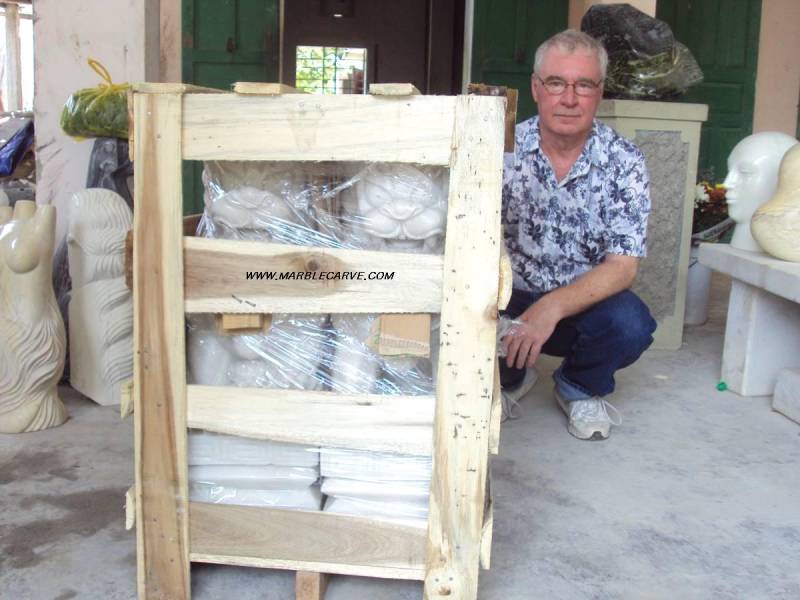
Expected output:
{"points": [[101, 307], [751, 181], [32, 336], [287, 357], [399, 208], [776, 224]]}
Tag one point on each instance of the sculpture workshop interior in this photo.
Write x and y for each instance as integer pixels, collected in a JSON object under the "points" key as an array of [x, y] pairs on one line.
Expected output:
{"points": [[261, 265]]}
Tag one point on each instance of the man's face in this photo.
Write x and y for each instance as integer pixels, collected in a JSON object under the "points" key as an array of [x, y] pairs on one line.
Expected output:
{"points": [[567, 114]]}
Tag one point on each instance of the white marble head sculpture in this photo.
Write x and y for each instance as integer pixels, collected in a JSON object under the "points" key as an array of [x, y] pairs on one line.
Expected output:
{"points": [[776, 224], [32, 337], [751, 181], [101, 306], [402, 203]]}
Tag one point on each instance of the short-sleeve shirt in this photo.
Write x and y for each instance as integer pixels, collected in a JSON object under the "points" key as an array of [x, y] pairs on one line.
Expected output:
{"points": [[557, 230]]}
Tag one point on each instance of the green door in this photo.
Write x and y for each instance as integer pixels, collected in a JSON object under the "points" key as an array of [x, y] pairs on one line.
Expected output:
{"points": [[723, 37], [506, 35], [225, 41]]}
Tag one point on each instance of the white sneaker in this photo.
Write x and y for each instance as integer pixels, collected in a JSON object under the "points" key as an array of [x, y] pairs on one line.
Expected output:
{"points": [[589, 419], [512, 397]]}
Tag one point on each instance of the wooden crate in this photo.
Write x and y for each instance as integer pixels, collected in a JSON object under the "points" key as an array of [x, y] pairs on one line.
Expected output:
{"points": [[174, 275]]}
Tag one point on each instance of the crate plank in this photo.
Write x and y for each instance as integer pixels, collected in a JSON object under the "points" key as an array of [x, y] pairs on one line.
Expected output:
{"points": [[299, 127], [310, 585], [305, 541], [467, 352], [216, 279], [380, 423], [159, 367]]}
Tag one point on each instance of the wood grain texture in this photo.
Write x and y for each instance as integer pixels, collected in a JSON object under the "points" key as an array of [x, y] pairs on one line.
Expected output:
{"points": [[173, 88], [242, 324], [300, 127], [309, 585], [380, 423], [467, 353], [305, 541], [216, 279], [393, 89], [260, 88], [496, 412], [159, 370]]}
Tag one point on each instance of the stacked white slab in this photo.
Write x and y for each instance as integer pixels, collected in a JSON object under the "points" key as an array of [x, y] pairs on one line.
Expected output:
{"points": [[234, 470], [371, 484], [787, 394]]}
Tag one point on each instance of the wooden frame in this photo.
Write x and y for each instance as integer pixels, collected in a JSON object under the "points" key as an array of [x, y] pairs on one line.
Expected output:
{"points": [[173, 275]]}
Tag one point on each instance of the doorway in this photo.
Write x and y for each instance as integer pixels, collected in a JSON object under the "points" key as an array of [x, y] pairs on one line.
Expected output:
{"points": [[341, 46]]}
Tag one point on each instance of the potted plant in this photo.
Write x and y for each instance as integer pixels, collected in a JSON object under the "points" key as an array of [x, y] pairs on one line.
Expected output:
{"points": [[711, 223]]}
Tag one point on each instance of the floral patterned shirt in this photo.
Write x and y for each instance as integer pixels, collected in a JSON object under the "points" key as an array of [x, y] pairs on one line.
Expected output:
{"points": [[558, 230]]}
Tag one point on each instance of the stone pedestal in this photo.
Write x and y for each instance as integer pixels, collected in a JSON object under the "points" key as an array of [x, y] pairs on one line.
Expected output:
{"points": [[762, 334], [787, 394], [668, 133]]}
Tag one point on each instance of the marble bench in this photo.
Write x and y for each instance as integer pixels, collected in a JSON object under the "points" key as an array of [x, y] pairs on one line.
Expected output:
{"points": [[762, 334]]}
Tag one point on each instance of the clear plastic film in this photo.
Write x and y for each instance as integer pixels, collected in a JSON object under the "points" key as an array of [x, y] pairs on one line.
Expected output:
{"points": [[375, 484], [225, 469], [385, 207], [505, 326]]}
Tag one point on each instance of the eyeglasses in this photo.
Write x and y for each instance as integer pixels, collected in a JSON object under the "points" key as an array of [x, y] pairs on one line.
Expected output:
{"points": [[556, 86]]}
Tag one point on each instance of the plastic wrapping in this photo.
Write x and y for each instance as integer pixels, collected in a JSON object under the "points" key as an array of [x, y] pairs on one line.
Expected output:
{"points": [[387, 207], [414, 514], [505, 325], [206, 448], [100, 111], [226, 469], [334, 205], [375, 484], [305, 499], [644, 59]]}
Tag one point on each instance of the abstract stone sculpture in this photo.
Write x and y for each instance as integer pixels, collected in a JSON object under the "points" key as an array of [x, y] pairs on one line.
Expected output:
{"points": [[101, 307], [32, 337], [776, 224], [752, 177]]}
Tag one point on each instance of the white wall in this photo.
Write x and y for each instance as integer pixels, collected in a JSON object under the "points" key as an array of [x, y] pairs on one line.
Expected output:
{"points": [[66, 33], [778, 74]]}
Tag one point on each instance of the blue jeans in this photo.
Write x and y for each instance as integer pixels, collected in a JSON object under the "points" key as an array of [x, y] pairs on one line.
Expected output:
{"points": [[595, 344]]}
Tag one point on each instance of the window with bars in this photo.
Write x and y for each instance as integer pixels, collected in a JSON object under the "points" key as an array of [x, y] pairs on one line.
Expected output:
{"points": [[330, 70]]}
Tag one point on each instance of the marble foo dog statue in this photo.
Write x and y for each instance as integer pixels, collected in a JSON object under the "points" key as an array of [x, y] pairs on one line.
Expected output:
{"points": [[401, 208], [32, 336]]}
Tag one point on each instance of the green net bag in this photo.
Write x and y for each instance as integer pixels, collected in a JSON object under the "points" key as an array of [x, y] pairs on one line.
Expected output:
{"points": [[100, 111]]}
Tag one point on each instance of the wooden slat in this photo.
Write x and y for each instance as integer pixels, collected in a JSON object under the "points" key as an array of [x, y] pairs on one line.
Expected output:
{"points": [[393, 89], [467, 353], [305, 541], [309, 585], [299, 127], [488, 526], [379, 423], [243, 324], [260, 88], [496, 412], [159, 367], [147, 87], [216, 279]]}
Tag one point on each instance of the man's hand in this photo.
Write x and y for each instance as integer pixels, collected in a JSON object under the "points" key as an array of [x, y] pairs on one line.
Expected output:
{"points": [[524, 342]]}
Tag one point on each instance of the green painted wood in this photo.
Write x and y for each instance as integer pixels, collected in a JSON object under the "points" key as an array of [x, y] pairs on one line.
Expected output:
{"points": [[506, 35], [723, 36], [225, 41]]}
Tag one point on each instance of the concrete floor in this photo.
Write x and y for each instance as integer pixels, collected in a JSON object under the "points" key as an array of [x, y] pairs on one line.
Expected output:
{"points": [[695, 496]]}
